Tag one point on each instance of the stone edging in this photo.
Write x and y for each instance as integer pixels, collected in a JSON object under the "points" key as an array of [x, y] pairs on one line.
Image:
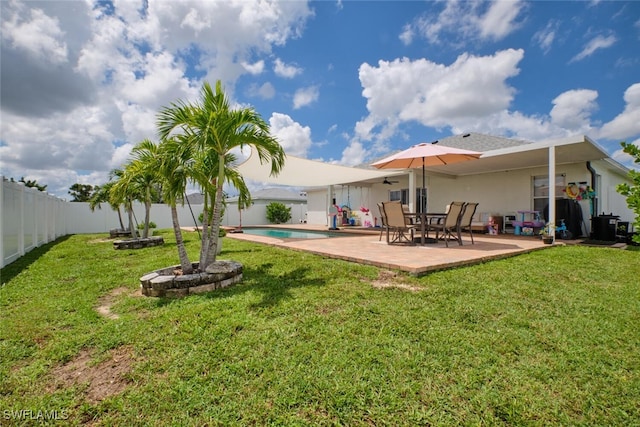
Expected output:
{"points": [[164, 283], [138, 243]]}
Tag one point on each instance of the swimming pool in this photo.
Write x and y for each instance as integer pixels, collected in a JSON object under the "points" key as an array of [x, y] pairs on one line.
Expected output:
{"points": [[281, 233]]}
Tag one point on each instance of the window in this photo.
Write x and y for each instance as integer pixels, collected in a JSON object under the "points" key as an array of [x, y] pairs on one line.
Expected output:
{"points": [[541, 191], [401, 196]]}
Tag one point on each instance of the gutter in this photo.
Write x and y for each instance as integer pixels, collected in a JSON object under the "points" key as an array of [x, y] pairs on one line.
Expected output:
{"points": [[593, 185]]}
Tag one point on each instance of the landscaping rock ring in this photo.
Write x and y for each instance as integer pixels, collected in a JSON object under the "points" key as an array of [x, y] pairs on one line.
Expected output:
{"points": [[165, 283]]}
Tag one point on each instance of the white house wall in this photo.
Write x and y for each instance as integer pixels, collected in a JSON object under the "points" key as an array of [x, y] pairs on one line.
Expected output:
{"points": [[500, 193], [610, 200]]}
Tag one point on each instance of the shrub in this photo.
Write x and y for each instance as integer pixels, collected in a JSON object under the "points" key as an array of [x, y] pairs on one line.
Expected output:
{"points": [[632, 191], [151, 225], [277, 213]]}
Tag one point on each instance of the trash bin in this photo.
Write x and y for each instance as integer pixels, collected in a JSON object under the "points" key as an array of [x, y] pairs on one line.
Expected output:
{"points": [[604, 227]]}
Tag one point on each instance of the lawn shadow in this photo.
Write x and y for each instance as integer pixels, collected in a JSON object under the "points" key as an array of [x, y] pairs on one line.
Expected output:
{"points": [[18, 266], [274, 286]]}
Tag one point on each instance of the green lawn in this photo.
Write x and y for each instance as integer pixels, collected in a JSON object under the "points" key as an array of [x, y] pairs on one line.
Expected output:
{"points": [[551, 337]]}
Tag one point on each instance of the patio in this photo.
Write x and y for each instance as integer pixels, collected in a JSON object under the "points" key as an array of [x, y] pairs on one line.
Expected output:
{"points": [[362, 246]]}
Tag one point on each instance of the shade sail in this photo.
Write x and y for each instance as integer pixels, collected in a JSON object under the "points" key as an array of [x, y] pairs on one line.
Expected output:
{"points": [[301, 172]]}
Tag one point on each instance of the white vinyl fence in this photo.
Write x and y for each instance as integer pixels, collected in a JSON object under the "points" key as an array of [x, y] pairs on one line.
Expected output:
{"points": [[30, 218]]}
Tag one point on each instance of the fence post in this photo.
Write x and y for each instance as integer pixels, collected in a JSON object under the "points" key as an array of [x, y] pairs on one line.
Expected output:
{"points": [[2, 209], [21, 232]]}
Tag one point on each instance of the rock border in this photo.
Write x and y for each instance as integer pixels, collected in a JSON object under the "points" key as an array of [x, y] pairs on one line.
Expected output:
{"points": [[165, 283], [118, 232], [138, 243]]}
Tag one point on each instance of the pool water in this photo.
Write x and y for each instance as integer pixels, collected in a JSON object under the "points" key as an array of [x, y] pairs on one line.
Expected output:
{"points": [[280, 233]]}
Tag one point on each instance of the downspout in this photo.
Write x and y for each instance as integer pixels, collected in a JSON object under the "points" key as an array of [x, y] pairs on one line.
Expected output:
{"points": [[593, 186]]}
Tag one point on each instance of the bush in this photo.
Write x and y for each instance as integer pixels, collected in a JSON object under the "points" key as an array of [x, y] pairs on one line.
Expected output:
{"points": [[277, 213], [151, 225], [632, 191], [201, 216]]}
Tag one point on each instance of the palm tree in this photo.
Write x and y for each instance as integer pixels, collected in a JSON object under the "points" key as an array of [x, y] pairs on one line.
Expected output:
{"points": [[143, 174], [101, 195], [120, 195], [213, 129]]}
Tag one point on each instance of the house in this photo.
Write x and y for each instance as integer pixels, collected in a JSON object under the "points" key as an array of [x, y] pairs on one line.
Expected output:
{"points": [[510, 176]]}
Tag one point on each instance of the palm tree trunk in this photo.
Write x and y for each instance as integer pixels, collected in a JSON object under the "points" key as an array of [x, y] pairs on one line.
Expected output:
{"points": [[147, 215], [120, 218], [182, 251], [204, 246], [217, 208], [132, 227]]}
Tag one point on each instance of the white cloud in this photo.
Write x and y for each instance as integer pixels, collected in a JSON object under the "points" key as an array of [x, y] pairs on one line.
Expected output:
{"points": [[407, 35], [265, 91], [598, 42], [472, 94], [545, 37], [294, 138], [287, 71], [500, 20], [305, 96], [117, 65], [195, 21], [626, 159], [354, 154], [626, 124], [572, 109], [466, 20], [471, 87], [35, 32], [255, 68]]}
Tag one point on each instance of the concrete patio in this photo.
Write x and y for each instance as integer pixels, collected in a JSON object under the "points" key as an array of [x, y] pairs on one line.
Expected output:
{"points": [[362, 246]]}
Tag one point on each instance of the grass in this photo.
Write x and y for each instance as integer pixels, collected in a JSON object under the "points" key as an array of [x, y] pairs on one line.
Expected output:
{"points": [[550, 337]]}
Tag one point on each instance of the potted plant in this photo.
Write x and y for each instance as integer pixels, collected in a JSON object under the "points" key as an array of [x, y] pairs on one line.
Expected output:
{"points": [[548, 233]]}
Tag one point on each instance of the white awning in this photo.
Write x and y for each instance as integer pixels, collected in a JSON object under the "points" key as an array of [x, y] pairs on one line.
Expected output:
{"points": [[301, 172]]}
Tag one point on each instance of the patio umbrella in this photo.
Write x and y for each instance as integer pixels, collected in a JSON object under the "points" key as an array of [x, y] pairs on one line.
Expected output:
{"points": [[425, 154]]}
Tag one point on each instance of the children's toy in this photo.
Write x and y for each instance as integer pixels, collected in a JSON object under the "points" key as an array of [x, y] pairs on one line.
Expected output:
{"points": [[529, 221]]}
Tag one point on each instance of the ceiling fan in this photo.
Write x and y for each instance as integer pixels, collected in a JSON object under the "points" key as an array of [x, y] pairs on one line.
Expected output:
{"points": [[386, 181]]}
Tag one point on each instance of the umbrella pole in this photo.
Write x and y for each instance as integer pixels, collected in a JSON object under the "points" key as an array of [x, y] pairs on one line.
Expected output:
{"points": [[423, 192], [423, 206]]}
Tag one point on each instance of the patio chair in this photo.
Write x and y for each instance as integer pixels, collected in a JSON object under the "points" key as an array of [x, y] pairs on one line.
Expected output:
{"points": [[449, 226], [383, 221], [466, 219], [398, 223]]}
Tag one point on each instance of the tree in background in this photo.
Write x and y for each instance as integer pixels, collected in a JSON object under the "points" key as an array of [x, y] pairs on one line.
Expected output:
{"points": [[32, 184], [277, 213], [81, 192], [140, 178], [118, 195], [632, 191], [101, 195]]}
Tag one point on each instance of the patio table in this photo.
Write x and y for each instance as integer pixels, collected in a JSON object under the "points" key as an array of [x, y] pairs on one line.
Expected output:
{"points": [[426, 218]]}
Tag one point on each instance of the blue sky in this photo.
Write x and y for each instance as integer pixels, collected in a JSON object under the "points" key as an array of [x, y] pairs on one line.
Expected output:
{"points": [[344, 81]]}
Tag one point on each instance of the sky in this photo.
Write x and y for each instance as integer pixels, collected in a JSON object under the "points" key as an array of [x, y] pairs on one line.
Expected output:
{"points": [[339, 81]]}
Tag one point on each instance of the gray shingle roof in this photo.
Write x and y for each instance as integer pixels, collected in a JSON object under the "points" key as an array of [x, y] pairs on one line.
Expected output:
{"points": [[480, 142]]}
